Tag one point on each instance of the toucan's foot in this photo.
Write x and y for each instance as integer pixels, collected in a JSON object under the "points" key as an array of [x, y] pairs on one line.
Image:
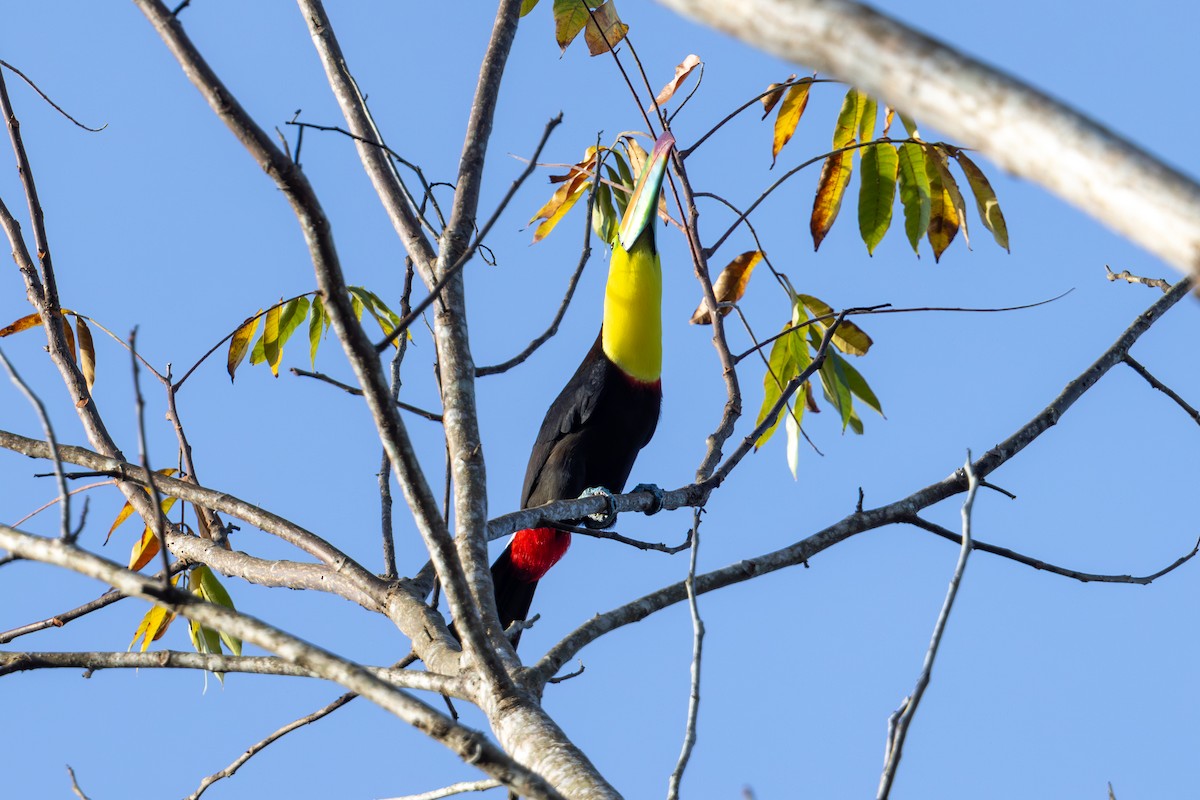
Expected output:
{"points": [[601, 519], [657, 505]]}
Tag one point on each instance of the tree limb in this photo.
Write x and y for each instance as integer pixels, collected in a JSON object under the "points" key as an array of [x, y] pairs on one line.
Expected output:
{"points": [[1023, 130]]}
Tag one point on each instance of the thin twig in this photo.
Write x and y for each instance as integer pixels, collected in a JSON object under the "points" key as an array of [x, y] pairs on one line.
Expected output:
{"points": [[1162, 387], [584, 255], [46, 97], [75, 785], [59, 620], [257, 747], [158, 523], [420, 412], [689, 737], [64, 496], [1129, 277], [885, 308], [451, 790], [1038, 564], [613, 536], [804, 550], [448, 275], [731, 115], [902, 718]]}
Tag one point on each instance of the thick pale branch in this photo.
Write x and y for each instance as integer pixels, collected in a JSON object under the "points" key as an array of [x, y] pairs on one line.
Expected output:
{"points": [[470, 745], [367, 139], [358, 348], [1023, 130]]}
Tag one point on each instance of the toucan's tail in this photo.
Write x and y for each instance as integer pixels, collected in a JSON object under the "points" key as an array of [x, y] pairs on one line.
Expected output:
{"points": [[514, 591]]}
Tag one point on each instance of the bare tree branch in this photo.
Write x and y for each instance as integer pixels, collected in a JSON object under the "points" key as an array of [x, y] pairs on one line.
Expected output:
{"points": [[1023, 130], [1162, 387], [258, 747], [693, 714], [451, 790], [899, 722], [1020, 558], [900, 511], [64, 496], [471, 746]]}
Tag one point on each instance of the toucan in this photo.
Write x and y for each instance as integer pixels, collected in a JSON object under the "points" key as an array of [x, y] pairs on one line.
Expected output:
{"points": [[609, 408]]}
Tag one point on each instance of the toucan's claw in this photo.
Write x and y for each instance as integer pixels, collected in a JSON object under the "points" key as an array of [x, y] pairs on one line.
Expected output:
{"points": [[601, 519], [656, 492]]}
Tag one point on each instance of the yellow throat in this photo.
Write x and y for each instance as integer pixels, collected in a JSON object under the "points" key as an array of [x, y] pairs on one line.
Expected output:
{"points": [[632, 333]]}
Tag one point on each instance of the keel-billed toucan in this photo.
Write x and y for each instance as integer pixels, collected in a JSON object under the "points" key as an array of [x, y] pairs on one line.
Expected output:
{"points": [[609, 408]]}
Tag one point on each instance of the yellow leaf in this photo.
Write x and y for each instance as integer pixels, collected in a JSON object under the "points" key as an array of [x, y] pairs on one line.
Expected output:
{"points": [[794, 102], [604, 29], [985, 199], [147, 546], [772, 97], [271, 346], [849, 338], [577, 179], [682, 70], [127, 509], [87, 352], [568, 200], [240, 343], [154, 623], [730, 285], [831, 188], [22, 324], [943, 216]]}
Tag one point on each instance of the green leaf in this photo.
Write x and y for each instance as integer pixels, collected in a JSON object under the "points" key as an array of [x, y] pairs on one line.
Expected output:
{"points": [[914, 193], [849, 118], [985, 200], [866, 119], [293, 314], [387, 319], [604, 215], [569, 18], [877, 193], [910, 126], [210, 589], [527, 6], [317, 323], [781, 368], [833, 381], [270, 340], [858, 385]]}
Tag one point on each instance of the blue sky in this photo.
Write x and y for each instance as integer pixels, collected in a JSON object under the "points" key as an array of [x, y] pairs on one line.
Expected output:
{"points": [[1044, 688]]}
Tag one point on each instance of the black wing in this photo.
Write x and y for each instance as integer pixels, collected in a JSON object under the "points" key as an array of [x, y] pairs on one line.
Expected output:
{"points": [[592, 432]]}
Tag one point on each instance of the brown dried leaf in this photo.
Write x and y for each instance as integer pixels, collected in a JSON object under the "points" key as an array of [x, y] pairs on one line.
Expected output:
{"points": [[87, 352], [770, 100], [22, 324], [682, 70], [604, 29], [730, 285]]}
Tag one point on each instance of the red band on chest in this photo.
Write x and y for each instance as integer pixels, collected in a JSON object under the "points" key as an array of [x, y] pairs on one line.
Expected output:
{"points": [[536, 550]]}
